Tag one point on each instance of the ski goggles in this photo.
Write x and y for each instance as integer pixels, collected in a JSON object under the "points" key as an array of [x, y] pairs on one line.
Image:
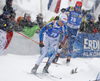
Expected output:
{"points": [[77, 7], [63, 22]]}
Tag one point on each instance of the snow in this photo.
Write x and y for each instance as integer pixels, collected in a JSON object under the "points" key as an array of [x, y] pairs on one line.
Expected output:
{"points": [[22, 53], [17, 67]]}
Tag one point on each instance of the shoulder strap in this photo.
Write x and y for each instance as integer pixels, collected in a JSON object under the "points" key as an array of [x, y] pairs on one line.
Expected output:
{"points": [[71, 8]]}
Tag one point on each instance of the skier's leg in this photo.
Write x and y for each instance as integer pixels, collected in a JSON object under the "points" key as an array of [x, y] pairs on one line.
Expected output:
{"points": [[71, 40], [55, 46], [45, 49]]}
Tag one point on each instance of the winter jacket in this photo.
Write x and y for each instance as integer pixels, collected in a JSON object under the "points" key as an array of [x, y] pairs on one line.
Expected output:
{"points": [[26, 23], [9, 9], [82, 26], [5, 24], [89, 27], [40, 22], [15, 27]]}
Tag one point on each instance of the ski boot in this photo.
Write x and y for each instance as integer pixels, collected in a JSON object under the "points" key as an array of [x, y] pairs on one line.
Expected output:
{"points": [[56, 58], [34, 69], [45, 69]]}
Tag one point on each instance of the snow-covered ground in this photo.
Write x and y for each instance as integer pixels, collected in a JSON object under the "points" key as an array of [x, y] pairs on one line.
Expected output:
{"points": [[17, 67]]}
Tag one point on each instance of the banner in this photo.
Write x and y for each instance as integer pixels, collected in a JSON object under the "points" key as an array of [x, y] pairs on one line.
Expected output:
{"points": [[3, 41], [86, 45], [54, 5]]}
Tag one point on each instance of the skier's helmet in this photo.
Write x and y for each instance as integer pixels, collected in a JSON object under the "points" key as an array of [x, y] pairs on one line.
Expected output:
{"points": [[63, 17], [79, 3]]}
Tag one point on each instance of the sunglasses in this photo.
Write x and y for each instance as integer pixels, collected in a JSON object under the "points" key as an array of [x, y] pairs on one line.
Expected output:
{"points": [[63, 22]]}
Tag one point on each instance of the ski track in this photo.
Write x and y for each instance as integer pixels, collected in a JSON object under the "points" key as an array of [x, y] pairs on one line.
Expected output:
{"points": [[15, 68]]}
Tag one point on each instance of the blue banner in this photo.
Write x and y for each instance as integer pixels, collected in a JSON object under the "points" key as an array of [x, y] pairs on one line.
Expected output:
{"points": [[87, 45]]}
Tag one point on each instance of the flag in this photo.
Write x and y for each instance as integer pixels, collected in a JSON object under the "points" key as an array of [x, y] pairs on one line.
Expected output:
{"points": [[3, 41], [94, 5], [5, 38], [54, 5]]}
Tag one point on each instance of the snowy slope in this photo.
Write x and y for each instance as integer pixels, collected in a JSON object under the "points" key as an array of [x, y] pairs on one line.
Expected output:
{"points": [[17, 67]]}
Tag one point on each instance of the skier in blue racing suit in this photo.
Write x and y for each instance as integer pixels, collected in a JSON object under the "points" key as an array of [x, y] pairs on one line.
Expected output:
{"points": [[49, 39], [75, 17]]}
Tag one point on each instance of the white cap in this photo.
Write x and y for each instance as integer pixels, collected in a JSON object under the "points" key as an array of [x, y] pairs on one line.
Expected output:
{"points": [[63, 17]]}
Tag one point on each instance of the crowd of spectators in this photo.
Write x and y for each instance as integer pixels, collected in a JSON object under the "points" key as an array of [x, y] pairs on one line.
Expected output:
{"points": [[90, 26], [8, 22]]}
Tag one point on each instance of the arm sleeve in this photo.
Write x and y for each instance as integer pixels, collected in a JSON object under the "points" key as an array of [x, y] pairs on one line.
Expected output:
{"points": [[65, 9], [68, 9], [65, 36], [43, 30]]}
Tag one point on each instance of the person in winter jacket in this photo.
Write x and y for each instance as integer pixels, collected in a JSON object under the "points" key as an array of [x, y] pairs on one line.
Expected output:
{"points": [[39, 20], [5, 22], [8, 8], [90, 25], [26, 21], [6, 31], [49, 39], [16, 28]]}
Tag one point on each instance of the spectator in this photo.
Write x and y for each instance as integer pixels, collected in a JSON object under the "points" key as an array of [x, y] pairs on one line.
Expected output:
{"points": [[5, 31], [5, 22], [26, 21], [39, 20], [14, 24], [90, 24], [8, 7]]}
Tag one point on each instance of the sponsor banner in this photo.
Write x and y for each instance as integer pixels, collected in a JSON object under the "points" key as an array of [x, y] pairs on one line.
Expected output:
{"points": [[86, 45], [92, 47]]}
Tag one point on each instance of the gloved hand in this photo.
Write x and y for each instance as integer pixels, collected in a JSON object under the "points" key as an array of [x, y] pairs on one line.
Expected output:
{"points": [[61, 45], [95, 30], [63, 10], [41, 44]]}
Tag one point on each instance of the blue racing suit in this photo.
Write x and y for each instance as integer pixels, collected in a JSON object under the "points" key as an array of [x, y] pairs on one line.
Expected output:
{"points": [[73, 26], [51, 33]]}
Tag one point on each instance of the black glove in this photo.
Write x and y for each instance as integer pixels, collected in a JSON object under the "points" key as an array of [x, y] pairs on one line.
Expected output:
{"points": [[41, 44], [61, 45], [63, 10]]}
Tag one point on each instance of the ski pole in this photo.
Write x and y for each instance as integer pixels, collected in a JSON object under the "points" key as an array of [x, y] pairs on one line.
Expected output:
{"points": [[27, 37]]}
